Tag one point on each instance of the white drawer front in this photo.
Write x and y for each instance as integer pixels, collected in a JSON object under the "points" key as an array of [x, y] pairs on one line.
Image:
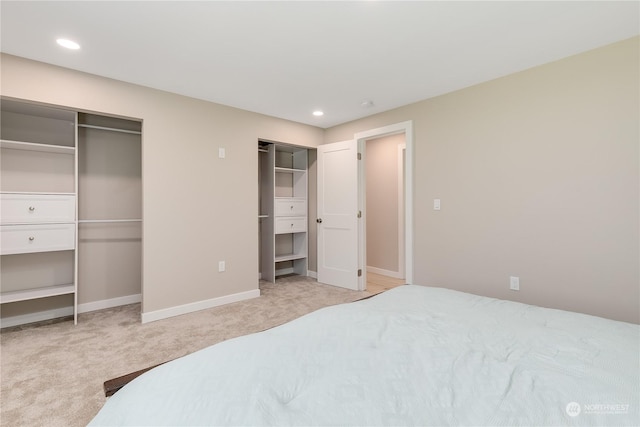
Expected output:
{"points": [[291, 225], [37, 208], [290, 207], [22, 239]]}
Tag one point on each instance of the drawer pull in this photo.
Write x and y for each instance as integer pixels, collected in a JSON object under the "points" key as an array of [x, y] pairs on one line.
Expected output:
{"points": [[31, 208], [291, 207], [31, 239]]}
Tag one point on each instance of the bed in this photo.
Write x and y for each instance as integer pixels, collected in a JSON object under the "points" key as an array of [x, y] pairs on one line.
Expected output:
{"points": [[413, 355]]}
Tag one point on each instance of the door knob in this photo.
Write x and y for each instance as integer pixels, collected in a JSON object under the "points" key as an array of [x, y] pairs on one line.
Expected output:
{"points": [[319, 220]]}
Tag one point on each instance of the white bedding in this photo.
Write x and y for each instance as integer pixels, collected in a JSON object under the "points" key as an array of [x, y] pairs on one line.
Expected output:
{"points": [[411, 356]]}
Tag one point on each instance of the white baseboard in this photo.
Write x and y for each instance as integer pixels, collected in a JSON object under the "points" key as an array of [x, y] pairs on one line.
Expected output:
{"points": [[313, 274], [389, 273], [40, 316], [284, 271], [197, 306], [108, 303]]}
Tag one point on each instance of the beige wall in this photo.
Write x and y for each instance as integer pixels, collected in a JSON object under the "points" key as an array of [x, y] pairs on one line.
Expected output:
{"points": [[382, 202], [538, 173], [197, 209]]}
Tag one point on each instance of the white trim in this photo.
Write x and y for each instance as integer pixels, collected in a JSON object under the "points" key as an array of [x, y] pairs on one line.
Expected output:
{"points": [[312, 274], [401, 263], [76, 248], [38, 316], [362, 207], [407, 129], [284, 271], [388, 273], [109, 303], [197, 306]]}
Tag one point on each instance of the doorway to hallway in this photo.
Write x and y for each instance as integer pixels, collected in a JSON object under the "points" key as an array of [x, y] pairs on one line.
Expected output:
{"points": [[377, 283]]}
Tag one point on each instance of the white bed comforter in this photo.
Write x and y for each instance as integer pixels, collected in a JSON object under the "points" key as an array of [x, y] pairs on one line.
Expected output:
{"points": [[411, 356]]}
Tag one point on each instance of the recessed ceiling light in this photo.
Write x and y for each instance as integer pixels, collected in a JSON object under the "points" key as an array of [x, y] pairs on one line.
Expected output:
{"points": [[69, 44], [367, 103], [318, 113]]}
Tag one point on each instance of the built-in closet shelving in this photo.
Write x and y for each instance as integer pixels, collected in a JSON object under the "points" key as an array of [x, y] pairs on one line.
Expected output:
{"points": [[38, 203], [71, 213], [283, 210]]}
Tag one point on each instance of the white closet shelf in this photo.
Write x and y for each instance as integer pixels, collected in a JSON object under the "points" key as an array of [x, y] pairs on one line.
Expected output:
{"points": [[107, 221], [289, 170], [34, 146], [34, 193], [134, 132], [36, 293], [289, 257], [263, 216], [38, 223]]}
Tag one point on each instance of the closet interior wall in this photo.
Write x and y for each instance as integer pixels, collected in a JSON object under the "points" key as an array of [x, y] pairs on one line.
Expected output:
{"points": [[109, 208]]}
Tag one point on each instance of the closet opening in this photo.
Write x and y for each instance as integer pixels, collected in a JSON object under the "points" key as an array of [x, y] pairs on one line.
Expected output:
{"points": [[71, 223], [109, 210], [283, 205]]}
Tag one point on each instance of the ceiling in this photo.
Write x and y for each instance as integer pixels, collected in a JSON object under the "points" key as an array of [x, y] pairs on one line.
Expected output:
{"points": [[287, 59]]}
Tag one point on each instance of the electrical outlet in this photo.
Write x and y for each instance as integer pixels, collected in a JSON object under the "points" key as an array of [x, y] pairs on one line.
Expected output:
{"points": [[514, 283], [221, 266]]}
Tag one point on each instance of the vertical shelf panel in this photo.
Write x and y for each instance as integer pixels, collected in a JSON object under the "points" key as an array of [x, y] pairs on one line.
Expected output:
{"points": [[267, 187]]}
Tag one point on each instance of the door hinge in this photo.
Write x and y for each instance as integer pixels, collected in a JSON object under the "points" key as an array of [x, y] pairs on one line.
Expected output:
{"points": [[359, 214], [359, 272], [359, 156]]}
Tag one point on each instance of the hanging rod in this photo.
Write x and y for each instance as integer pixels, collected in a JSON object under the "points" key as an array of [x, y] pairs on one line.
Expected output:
{"points": [[135, 132]]}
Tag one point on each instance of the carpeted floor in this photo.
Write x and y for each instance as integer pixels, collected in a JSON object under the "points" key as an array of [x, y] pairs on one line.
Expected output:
{"points": [[52, 374]]}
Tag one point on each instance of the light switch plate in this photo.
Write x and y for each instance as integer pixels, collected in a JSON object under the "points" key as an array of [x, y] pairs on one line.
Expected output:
{"points": [[436, 204], [222, 153]]}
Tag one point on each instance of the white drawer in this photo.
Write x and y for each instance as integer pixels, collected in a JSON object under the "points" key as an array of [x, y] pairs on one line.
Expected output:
{"points": [[290, 207], [22, 239], [37, 208], [291, 225]]}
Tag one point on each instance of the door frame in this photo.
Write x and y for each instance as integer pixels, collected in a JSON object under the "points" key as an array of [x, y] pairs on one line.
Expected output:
{"points": [[361, 138]]}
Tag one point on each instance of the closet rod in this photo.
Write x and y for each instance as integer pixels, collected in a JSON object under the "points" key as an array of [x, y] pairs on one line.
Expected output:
{"points": [[135, 132], [106, 221]]}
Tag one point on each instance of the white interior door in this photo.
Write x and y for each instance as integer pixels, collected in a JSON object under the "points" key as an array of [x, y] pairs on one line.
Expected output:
{"points": [[338, 214]]}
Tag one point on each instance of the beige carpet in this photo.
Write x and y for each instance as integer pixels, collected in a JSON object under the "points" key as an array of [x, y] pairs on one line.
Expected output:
{"points": [[52, 374]]}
